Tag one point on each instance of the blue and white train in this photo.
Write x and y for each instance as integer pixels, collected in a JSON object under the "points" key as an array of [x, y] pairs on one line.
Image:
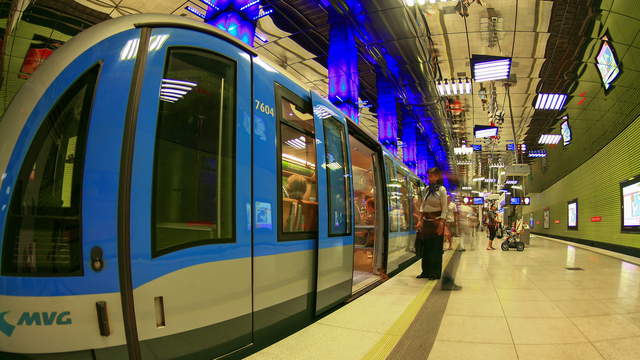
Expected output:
{"points": [[159, 198]]}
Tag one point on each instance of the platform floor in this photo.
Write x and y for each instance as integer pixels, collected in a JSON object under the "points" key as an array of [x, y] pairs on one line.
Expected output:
{"points": [[513, 305]]}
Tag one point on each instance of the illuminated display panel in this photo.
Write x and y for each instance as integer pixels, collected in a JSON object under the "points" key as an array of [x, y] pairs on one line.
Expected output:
{"points": [[478, 201], [572, 214], [515, 201], [630, 197], [565, 130], [607, 63]]}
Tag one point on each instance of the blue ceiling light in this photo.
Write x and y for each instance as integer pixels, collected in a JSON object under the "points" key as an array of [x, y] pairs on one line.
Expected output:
{"points": [[489, 68], [537, 153]]}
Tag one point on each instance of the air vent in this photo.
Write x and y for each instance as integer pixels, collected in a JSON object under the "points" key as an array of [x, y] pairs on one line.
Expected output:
{"points": [[574, 268]]}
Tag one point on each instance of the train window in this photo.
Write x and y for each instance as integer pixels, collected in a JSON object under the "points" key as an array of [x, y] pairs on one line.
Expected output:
{"points": [[298, 190], [404, 200], [415, 200], [338, 191], [43, 233], [193, 191]]}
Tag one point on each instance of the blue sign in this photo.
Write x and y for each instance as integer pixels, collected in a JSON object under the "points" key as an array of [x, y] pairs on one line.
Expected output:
{"points": [[477, 147], [511, 147]]}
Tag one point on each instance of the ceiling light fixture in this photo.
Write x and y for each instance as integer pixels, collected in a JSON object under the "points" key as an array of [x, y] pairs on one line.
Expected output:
{"points": [[537, 153], [549, 139], [550, 101], [467, 188], [496, 165], [463, 150], [488, 68], [511, 182], [465, 162], [478, 178], [455, 87]]}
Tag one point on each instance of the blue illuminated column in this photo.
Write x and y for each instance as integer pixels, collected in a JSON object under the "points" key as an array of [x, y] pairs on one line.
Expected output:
{"points": [[236, 17], [343, 66], [387, 114], [409, 141], [422, 159]]}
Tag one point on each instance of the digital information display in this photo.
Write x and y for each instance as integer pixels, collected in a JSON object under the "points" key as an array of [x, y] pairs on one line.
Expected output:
{"points": [[484, 131], [478, 201], [572, 214], [511, 147], [477, 147], [630, 195], [566, 132], [607, 63], [515, 201]]}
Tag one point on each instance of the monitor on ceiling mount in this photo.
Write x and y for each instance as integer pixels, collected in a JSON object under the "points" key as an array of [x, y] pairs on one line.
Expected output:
{"points": [[515, 200], [565, 130], [607, 63], [484, 131]]}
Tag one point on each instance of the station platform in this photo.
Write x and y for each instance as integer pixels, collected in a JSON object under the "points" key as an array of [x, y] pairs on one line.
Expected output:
{"points": [[552, 301]]}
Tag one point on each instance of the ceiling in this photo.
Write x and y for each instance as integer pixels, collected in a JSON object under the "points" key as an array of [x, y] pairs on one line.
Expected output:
{"points": [[553, 45]]}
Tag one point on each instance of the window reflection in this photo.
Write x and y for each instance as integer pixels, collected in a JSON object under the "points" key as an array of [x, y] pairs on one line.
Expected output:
{"points": [[299, 205]]}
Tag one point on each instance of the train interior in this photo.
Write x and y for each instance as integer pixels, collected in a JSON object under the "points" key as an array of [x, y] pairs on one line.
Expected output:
{"points": [[368, 242]]}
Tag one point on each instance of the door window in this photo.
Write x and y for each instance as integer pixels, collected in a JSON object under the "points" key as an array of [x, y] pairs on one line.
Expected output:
{"points": [[298, 190], [43, 232], [338, 190], [193, 191]]}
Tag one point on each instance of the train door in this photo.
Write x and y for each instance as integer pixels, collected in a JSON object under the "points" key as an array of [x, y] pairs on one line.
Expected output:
{"points": [[369, 220], [59, 286], [190, 212], [335, 240]]}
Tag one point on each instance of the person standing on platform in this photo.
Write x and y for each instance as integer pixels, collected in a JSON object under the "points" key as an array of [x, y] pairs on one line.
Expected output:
{"points": [[451, 224], [492, 225], [433, 211]]}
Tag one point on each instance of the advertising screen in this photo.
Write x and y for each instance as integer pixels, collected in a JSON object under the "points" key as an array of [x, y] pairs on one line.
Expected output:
{"points": [[566, 132], [607, 63], [515, 201], [483, 131], [546, 217], [630, 195], [572, 212], [478, 201]]}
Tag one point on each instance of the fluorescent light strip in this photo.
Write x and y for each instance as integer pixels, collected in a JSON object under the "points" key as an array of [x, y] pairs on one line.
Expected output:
{"points": [[550, 101], [173, 86], [179, 82], [297, 160], [173, 91]]}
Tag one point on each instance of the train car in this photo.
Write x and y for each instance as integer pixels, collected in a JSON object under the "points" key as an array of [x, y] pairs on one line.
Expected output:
{"points": [[166, 193]]}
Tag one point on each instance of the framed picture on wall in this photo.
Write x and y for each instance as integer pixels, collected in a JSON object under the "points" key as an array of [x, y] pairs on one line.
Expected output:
{"points": [[630, 203], [572, 214], [546, 216]]}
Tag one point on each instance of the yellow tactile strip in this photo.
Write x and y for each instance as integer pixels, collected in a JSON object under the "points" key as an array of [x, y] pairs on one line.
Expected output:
{"points": [[390, 339]]}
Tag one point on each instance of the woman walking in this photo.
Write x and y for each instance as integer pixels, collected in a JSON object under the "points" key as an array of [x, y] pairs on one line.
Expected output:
{"points": [[433, 213]]}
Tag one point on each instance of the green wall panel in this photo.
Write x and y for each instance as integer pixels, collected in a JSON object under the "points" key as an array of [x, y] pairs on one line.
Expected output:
{"points": [[596, 185]]}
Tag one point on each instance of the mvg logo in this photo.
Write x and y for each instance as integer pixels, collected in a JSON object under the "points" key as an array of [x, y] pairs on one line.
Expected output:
{"points": [[34, 319]]}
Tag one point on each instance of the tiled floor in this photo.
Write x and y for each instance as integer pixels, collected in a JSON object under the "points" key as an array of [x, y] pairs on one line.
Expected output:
{"points": [[528, 306], [513, 305]]}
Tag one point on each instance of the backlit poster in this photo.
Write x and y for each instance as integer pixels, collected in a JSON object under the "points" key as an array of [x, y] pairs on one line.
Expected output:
{"points": [[546, 216], [630, 194], [572, 214]]}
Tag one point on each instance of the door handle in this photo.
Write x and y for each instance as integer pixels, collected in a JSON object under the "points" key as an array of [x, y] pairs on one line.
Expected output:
{"points": [[103, 318]]}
